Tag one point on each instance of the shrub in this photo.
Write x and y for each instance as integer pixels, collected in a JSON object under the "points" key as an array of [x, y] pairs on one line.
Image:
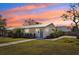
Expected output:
{"points": [[77, 43], [28, 35], [77, 37], [9, 33], [68, 41], [17, 33], [56, 34]]}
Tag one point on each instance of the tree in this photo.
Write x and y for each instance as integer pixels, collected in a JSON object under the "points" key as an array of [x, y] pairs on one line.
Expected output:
{"points": [[2, 26], [9, 33], [72, 14], [30, 22], [18, 33]]}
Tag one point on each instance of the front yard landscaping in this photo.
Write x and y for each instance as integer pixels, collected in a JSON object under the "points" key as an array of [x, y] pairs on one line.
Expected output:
{"points": [[65, 46], [5, 39]]}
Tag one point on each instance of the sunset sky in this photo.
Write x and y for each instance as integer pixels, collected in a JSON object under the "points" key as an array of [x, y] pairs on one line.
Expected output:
{"points": [[45, 13]]}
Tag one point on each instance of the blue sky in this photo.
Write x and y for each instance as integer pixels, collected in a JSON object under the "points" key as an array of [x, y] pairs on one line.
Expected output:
{"points": [[20, 11], [7, 6]]}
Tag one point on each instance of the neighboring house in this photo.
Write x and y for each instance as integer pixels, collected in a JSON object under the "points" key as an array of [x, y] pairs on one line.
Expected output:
{"points": [[39, 30], [64, 28]]}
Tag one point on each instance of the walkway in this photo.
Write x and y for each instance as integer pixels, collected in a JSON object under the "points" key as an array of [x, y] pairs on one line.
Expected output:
{"points": [[21, 41], [62, 37], [12, 43]]}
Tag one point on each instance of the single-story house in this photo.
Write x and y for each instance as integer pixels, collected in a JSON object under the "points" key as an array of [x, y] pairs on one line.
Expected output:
{"points": [[39, 30]]}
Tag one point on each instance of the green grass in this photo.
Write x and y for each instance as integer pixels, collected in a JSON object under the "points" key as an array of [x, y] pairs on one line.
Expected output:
{"points": [[65, 46], [5, 40]]}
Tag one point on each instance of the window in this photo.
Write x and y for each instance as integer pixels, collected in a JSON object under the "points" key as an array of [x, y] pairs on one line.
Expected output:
{"points": [[37, 30], [47, 29], [27, 30]]}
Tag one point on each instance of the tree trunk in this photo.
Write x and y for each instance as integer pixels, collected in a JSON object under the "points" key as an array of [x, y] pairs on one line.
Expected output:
{"points": [[76, 25]]}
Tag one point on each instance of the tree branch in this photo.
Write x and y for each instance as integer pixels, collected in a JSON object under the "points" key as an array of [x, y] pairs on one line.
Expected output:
{"points": [[78, 21]]}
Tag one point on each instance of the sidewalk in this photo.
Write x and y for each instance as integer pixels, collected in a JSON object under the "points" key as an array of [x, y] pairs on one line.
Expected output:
{"points": [[16, 42], [61, 38]]}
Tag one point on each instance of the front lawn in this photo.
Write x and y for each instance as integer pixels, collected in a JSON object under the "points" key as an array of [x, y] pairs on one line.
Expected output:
{"points": [[5, 39], [65, 46]]}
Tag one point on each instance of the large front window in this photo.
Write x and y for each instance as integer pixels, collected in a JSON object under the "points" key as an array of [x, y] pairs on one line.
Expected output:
{"points": [[27, 30], [47, 29], [37, 30]]}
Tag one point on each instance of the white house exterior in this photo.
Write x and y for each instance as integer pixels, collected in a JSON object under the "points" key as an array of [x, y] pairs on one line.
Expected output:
{"points": [[40, 30]]}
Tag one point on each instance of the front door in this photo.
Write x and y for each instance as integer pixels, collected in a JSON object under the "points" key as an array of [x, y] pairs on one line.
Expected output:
{"points": [[39, 34]]}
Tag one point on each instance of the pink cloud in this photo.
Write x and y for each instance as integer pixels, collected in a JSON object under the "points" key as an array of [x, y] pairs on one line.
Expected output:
{"points": [[47, 16], [44, 17]]}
